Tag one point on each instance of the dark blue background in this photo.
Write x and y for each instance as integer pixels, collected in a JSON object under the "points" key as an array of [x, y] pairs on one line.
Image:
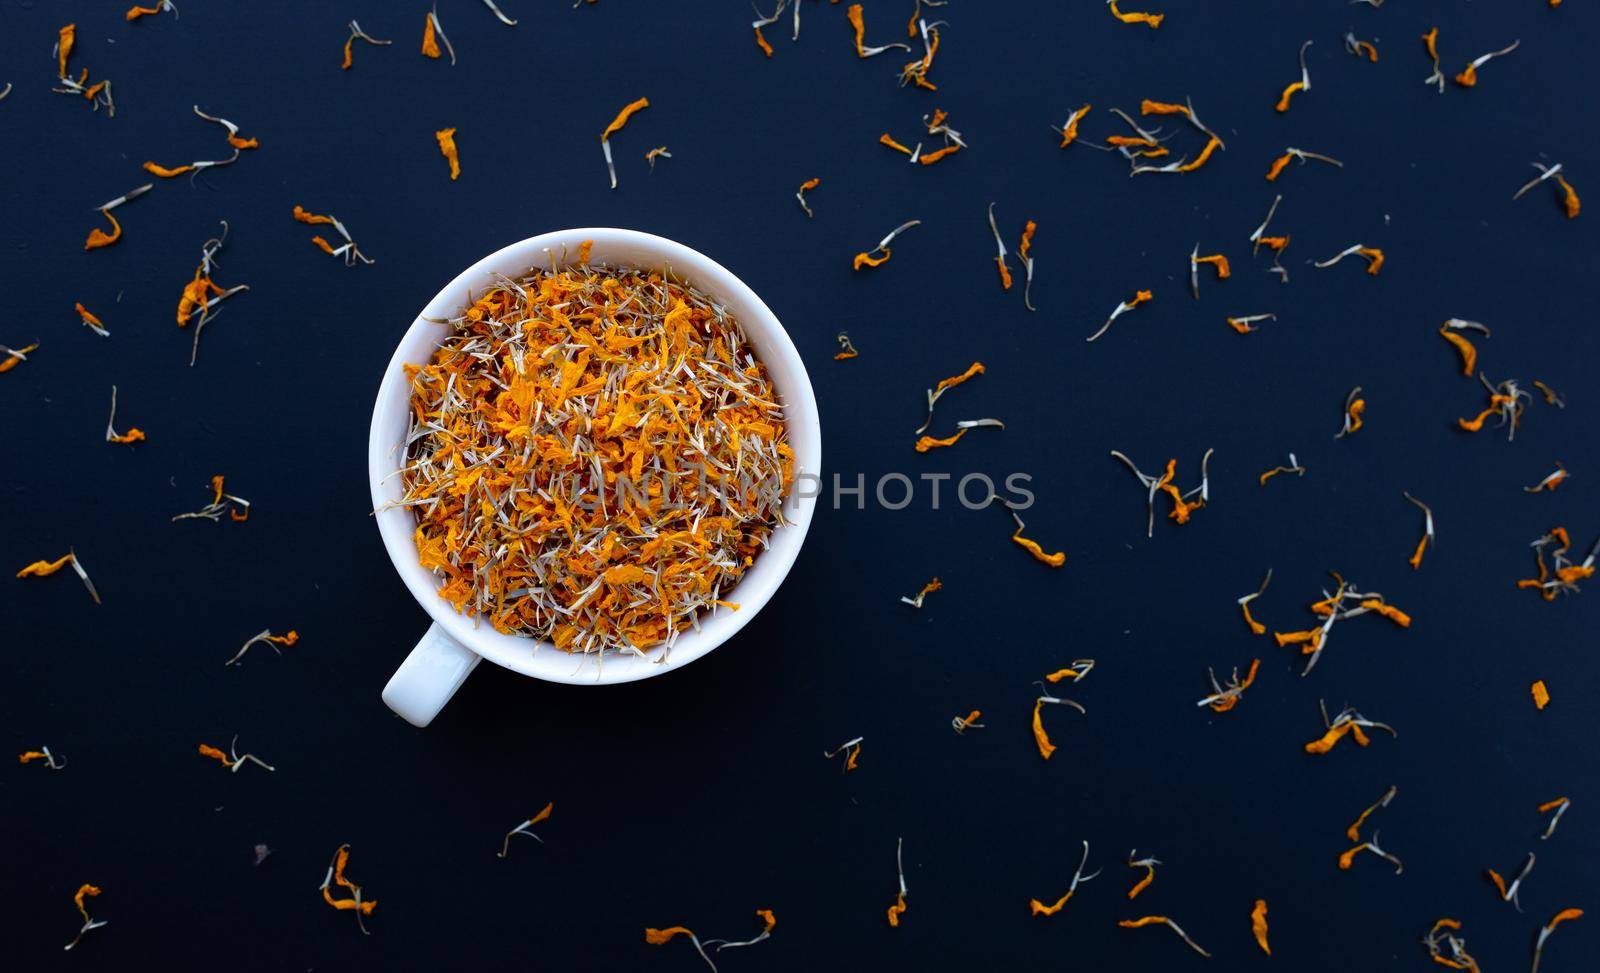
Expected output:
{"points": [[701, 796]]}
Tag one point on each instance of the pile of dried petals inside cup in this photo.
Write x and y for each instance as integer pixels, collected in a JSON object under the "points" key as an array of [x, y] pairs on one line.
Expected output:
{"points": [[595, 456]]}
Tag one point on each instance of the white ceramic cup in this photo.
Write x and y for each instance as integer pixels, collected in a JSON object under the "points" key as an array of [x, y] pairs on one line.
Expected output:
{"points": [[454, 644]]}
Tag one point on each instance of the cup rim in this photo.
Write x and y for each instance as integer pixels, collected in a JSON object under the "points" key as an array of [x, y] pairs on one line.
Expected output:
{"points": [[537, 658]]}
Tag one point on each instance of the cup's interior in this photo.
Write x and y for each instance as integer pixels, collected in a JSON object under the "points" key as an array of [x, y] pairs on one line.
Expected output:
{"points": [[615, 247]]}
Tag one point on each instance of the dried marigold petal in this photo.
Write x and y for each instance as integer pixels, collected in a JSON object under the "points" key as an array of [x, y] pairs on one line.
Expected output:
{"points": [[1069, 131], [1388, 611], [65, 38], [974, 369], [40, 569], [1143, 883], [207, 750], [887, 139], [858, 24], [1250, 675], [1204, 155], [1255, 626], [1355, 412], [1054, 560], [1415, 560], [1283, 99], [1037, 908], [1163, 921], [928, 442], [1072, 672], [1153, 21], [623, 116], [1258, 925], [1569, 198], [626, 574], [430, 43], [99, 238], [164, 172], [1495, 879], [15, 355], [1469, 353], [355, 903], [349, 905], [1476, 423], [1565, 915], [446, 138], [1148, 107], [303, 216], [89, 318], [1326, 743], [1040, 737]]}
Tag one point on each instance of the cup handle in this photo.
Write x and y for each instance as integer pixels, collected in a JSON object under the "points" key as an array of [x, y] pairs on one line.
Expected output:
{"points": [[429, 676]]}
